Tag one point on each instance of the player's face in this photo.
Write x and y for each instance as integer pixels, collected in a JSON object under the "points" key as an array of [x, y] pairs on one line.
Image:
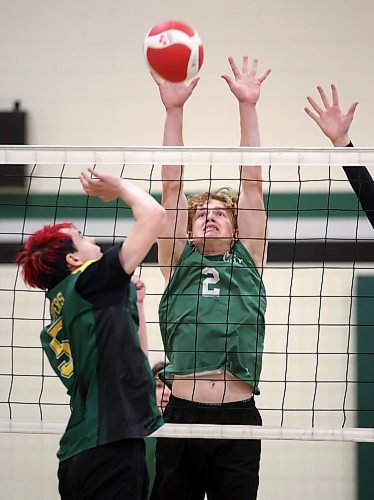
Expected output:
{"points": [[162, 394], [212, 220], [86, 248]]}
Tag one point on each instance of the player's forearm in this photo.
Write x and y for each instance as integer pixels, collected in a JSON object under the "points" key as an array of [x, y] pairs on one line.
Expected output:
{"points": [[173, 129], [249, 126], [249, 136], [172, 175]]}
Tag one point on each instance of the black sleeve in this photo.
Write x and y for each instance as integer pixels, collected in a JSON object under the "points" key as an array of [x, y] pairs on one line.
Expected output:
{"points": [[105, 280], [363, 185]]}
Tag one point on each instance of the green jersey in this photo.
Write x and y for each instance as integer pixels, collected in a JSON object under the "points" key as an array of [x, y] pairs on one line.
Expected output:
{"points": [[212, 315], [93, 347]]}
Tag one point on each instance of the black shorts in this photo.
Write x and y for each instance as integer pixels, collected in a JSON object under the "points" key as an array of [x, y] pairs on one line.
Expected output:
{"points": [[224, 469], [112, 471]]}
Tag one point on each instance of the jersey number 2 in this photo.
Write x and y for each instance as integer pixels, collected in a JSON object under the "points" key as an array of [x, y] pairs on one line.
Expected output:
{"points": [[212, 280]]}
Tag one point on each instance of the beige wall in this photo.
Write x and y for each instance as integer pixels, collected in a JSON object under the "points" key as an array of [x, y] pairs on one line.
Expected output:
{"points": [[79, 71]]}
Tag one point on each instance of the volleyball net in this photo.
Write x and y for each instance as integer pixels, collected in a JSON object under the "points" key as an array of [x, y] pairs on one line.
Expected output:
{"points": [[317, 376]]}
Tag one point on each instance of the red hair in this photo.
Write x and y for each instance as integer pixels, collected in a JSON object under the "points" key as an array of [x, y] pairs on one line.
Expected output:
{"points": [[42, 258]]}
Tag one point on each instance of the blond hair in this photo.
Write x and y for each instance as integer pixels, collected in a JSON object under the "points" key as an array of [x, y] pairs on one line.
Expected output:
{"points": [[225, 195]]}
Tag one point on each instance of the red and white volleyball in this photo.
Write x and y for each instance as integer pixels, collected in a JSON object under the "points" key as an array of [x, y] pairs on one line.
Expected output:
{"points": [[174, 51]]}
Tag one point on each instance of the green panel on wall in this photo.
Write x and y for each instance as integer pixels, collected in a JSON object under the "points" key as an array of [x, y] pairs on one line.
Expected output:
{"points": [[339, 204], [365, 377]]}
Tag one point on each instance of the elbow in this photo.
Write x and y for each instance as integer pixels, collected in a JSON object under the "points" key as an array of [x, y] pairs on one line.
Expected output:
{"points": [[172, 186]]}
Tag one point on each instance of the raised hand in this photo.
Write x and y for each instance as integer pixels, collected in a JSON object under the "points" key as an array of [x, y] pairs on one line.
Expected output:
{"points": [[104, 186], [331, 120], [244, 84], [174, 95]]}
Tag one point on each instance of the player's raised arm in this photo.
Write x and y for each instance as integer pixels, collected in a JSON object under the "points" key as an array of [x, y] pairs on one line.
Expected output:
{"points": [[335, 125], [173, 238], [149, 216], [245, 86], [331, 120]]}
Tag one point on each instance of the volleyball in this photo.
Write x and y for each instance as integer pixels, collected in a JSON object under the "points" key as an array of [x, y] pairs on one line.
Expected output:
{"points": [[174, 51]]}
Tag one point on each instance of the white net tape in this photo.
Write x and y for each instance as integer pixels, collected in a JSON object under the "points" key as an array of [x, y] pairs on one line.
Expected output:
{"points": [[169, 155], [210, 431]]}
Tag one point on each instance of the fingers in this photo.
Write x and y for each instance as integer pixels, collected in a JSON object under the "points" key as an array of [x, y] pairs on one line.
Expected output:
{"points": [[83, 180], [335, 102], [86, 181], [193, 84], [323, 96], [156, 77], [228, 80], [234, 67], [312, 115], [314, 105], [93, 171], [335, 96], [254, 67], [90, 181], [352, 109], [245, 70], [139, 284], [265, 75]]}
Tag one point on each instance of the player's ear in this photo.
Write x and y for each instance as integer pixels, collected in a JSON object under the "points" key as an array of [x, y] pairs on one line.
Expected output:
{"points": [[73, 260]]}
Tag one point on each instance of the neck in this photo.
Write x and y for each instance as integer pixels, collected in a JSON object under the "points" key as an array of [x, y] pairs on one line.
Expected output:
{"points": [[213, 246]]}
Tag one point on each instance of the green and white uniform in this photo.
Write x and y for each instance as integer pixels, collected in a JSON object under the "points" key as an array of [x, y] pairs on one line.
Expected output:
{"points": [[212, 315]]}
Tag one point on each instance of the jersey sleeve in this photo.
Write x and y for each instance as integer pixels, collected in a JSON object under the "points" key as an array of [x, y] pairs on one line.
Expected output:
{"points": [[363, 185], [101, 281]]}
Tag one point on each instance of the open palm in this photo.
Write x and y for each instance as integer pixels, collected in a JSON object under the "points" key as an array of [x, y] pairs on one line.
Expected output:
{"points": [[331, 120], [174, 95], [244, 84]]}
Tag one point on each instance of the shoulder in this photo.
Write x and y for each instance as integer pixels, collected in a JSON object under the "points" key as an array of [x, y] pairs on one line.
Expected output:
{"points": [[188, 250], [109, 264], [104, 274], [240, 249], [242, 252], [183, 266]]}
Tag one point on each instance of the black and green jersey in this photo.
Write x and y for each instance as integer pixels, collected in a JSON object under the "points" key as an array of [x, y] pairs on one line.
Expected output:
{"points": [[94, 348], [212, 315]]}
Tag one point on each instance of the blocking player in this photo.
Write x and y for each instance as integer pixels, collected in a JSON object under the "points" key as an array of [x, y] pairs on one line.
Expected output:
{"points": [[211, 254]]}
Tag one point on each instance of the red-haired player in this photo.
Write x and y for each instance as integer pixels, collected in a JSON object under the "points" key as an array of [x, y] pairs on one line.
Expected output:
{"points": [[94, 348]]}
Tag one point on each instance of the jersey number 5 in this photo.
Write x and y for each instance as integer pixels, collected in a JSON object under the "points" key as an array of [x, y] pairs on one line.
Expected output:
{"points": [[212, 280], [60, 348]]}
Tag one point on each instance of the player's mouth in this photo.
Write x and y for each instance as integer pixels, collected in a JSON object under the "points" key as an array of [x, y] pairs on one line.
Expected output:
{"points": [[211, 228]]}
